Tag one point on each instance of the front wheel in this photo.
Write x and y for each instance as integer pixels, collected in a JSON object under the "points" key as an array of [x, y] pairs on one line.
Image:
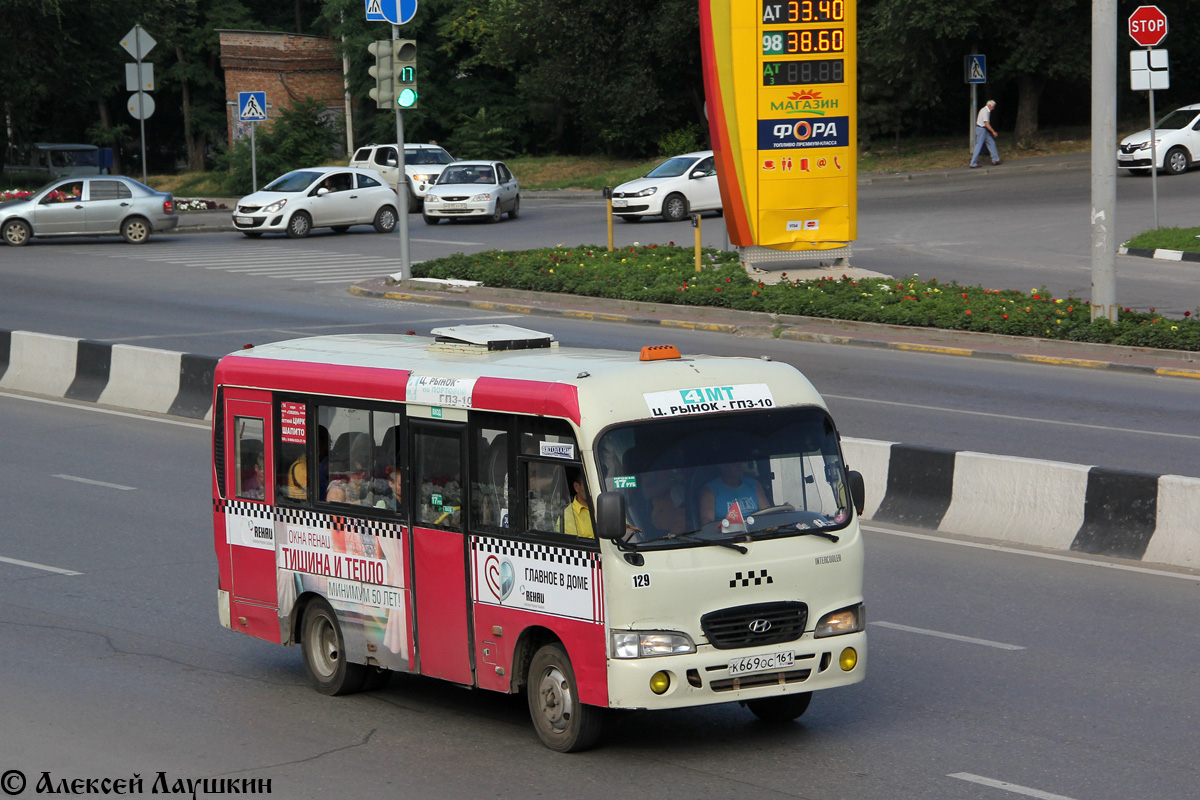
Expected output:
{"points": [[385, 219], [135, 230], [562, 722], [325, 652], [430, 220], [16, 233], [675, 208], [252, 234], [497, 214], [780, 709], [1177, 161], [299, 225]]}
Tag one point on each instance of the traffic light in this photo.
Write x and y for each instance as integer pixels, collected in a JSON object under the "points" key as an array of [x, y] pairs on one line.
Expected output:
{"points": [[404, 68], [384, 93]]}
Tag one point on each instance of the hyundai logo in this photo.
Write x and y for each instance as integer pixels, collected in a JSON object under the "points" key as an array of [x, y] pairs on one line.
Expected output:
{"points": [[760, 625]]}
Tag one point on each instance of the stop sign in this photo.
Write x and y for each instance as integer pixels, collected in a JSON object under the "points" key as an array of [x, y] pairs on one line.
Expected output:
{"points": [[1148, 25]]}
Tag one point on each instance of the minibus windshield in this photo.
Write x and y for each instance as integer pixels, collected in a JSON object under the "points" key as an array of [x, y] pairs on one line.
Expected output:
{"points": [[727, 477]]}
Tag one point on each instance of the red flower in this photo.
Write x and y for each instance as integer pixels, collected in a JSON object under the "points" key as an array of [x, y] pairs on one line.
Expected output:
{"points": [[968, 312], [1006, 316], [1187, 313]]}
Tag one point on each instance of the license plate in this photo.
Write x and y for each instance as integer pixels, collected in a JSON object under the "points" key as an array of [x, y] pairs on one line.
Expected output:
{"points": [[245, 220], [622, 203], [762, 663], [455, 206]]}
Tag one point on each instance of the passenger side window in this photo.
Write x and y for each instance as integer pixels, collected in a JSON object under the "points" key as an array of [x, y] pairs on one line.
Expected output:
{"points": [[361, 468], [365, 181], [549, 458], [707, 166]]}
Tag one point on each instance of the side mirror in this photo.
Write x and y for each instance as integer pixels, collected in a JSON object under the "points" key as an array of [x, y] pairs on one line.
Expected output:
{"points": [[610, 516], [322, 191], [858, 490], [392, 162], [699, 174]]}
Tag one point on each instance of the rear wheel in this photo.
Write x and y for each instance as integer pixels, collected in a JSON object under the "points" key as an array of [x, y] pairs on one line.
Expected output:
{"points": [[386, 219], [780, 709], [675, 207], [299, 226], [1177, 161], [325, 652], [17, 233], [516, 208], [562, 722], [136, 230]]}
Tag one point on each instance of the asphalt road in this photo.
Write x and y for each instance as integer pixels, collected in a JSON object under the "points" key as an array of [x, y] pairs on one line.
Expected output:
{"points": [[213, 293], [992, 673]]}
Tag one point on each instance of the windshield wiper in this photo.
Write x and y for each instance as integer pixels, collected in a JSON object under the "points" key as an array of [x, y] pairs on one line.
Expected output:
{"points": [[691, 537], [833, 537]]}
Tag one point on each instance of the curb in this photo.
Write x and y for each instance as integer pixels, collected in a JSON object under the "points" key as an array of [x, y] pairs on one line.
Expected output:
{"points": [[1138, 516], [1168, 363], [1161, 255]]}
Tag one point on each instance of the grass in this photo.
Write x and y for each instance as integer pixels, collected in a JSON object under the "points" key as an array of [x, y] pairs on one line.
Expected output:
{"points": [[1187, 239]]}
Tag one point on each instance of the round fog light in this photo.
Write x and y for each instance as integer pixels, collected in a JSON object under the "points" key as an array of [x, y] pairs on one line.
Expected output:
{"points": [[848, 659], [660, 682]]}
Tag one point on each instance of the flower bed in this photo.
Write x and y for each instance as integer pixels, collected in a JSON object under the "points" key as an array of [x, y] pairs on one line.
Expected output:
{"points": [[13, 194], [196, 204], [666, 274]]}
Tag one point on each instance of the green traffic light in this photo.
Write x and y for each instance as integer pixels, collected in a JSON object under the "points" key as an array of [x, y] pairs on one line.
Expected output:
{"points": [[407, 98]]}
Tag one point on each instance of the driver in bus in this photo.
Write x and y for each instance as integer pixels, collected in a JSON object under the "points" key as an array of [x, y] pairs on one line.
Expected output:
{"points": [[732, 485]]}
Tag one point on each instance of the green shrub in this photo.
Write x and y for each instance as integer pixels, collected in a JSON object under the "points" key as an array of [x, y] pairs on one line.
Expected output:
{"points": [[684, 140], [302, 136]]}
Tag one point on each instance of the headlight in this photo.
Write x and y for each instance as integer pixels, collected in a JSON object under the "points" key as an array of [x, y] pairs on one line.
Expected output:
{"points": [[845, 620], [647, 644], [481, 198], [432, 198], [423, 178], [1144, 146], [644, 192], [271, 209]]}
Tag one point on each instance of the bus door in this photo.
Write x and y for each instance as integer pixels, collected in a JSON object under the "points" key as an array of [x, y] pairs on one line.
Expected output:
{"points": [[249, 495], [439, 553]]}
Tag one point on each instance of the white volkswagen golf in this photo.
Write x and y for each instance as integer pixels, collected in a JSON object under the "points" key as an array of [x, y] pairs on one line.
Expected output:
{"points": [[675, 188], [321, 197]]}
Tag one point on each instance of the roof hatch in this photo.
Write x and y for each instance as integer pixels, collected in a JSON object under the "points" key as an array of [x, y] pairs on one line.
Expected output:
{"points": [[490, 338]]}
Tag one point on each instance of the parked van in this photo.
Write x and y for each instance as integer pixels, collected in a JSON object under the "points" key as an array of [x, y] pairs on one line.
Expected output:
{"points": [[60, 160]]}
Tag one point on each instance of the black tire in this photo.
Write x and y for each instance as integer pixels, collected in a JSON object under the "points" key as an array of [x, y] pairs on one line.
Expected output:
{"points": [[631, 218], [515, 211], [430, 220], [386, 219], [497, 214], [675, 207], [136, 230], [562, 722], [324, 652], [340, 228], [17, 233], [299, 226], [252, 234], [1139, 172], [1177, 161], [780, 709]]}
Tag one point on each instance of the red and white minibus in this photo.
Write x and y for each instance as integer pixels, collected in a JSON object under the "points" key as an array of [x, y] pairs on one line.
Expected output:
{"points": [[599, 529]]}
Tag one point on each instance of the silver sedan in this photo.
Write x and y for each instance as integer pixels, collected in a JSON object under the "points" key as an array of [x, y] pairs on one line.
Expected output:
{"points": [[104, 205]]}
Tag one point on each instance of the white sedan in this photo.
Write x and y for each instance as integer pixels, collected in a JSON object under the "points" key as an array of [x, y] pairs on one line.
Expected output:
{"points": [[321, 197], [1177, 143], [480, 189], [675, 188]]}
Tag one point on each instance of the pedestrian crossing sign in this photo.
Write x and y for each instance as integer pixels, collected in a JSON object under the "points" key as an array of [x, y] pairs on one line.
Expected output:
{"points": [[252, 106], [975, 69]]}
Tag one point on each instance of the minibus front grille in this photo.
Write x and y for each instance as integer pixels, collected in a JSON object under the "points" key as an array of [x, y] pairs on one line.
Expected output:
{"points": [[758, 679], [754, 625]]}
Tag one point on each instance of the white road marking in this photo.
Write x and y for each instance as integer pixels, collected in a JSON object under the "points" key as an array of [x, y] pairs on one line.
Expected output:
{"points": [[1008, 787], [954, 636], [1018, 418], [57, 570], [204, 426], [97, 483], [1016, 550], [448, 241]]}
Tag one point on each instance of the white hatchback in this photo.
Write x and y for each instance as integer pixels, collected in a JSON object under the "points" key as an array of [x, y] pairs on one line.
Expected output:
{"points": [[321, 197], [480, 189], [675, 188], [1177, 143]]}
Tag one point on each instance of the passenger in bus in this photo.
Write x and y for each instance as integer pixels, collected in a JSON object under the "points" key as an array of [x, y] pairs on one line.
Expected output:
{"points": [[296, 487], [351, 483], [253, 471], [732, 485], [577, 517], [392, 501]]}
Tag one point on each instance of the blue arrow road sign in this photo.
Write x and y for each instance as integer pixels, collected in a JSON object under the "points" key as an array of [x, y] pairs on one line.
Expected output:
{"points": [[397, 12], [252, 106], [976, 69]]}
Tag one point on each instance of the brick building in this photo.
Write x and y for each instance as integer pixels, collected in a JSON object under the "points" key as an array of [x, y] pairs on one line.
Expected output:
{"points": [[287, 66]]}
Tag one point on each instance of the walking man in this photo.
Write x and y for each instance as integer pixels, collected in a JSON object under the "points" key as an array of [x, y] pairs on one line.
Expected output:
{"points": [[985, 134]]}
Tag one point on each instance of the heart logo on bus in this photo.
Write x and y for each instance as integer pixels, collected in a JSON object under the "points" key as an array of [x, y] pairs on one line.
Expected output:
{"points": [[499, 576]]}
